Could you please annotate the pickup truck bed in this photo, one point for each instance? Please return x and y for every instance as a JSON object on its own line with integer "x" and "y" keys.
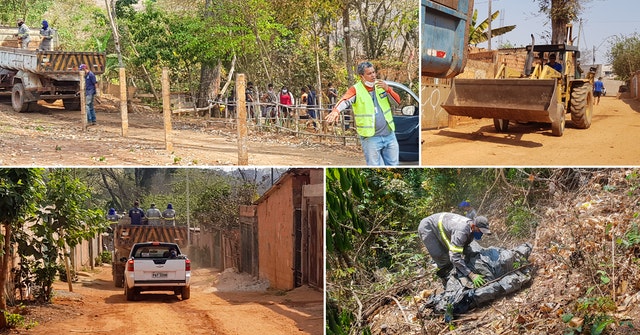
{"x": 157, "y": 266}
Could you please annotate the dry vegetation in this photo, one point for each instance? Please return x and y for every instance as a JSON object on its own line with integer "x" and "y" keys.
{"x": 586, "y": 267}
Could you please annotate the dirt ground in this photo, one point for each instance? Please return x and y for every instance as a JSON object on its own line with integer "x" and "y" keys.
{"x": 96, "y": 306}
{"x": 610, "y": 141}
{"x": 52, "y": 136}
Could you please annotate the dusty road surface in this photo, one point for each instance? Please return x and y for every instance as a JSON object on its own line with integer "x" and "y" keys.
{"x": 52, "y": 136}
{"x": 612, "y": 140}
{"x": 97, "y": 307}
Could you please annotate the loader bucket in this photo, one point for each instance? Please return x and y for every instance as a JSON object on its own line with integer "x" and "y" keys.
{"x": 524, "y": 100}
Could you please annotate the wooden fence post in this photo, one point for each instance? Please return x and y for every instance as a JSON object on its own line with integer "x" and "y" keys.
{"x": 83, "y": 101}
{"x": 124, "y": 112}
{"x": 166, "y": 109}
{"x": 241, "y": 105}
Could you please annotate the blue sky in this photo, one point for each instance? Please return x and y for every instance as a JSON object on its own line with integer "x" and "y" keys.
{"x": 600, "y": 20}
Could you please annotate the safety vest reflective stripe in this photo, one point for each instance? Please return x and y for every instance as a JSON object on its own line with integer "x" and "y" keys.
{"x": 445, "y": 239}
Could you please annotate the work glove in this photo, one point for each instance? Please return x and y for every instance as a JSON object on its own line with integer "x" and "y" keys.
{"x": 477, "y": 279}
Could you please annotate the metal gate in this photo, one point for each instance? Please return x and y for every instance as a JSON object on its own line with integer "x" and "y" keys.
{"x": 312, "y": 256}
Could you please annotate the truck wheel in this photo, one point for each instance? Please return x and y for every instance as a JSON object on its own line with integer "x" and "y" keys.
{"x": 186, "y": 292}
{"x": 17, "y": 99}
{"x": 501, "y": 125}
{"x": 130, "y": 293}
{"x": 71, "y": 104}
{"x": 557, "y": 126}
{"x": 581, "y": 106}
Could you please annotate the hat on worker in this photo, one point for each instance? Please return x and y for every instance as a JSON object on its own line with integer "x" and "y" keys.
{"x": 482, "y": 223}
{"x": 169, "y": 206}
{"x": 82, "y": 66}
{"x": 465, "y": 203}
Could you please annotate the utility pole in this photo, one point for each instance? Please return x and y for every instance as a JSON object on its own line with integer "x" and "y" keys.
{"x": 489, "y": 29}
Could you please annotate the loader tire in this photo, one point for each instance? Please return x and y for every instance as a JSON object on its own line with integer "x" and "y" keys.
{"x": 501, "y": 125}
{"x": 557, "y": 126}
{"x": 581, "y": 105}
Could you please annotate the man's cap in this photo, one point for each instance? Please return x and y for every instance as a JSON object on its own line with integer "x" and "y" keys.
{"x": 465, "y": 203}
{"x": 482, "y": 223}
{"x": 169, "y": 206}
{"x": 82, "y": 66}
{"x": 153, "y": 204}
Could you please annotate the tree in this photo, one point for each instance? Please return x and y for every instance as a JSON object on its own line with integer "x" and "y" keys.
{"x": 478, "y": 33}
{"x": 67, "y": 216}
{"x": 624, "y": 56}
{"x": 561, "y": 12}
{"x": 20, "y": 192}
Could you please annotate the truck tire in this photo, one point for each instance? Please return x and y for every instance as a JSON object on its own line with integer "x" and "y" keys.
{"x": 186, "y": 292}
{"x": 71, "y": 104}
{"x": 581, "y": 105}
{"x": 130, "y": 293}
{"x": 17, "y": 99}
{"x": 501, "y": 125}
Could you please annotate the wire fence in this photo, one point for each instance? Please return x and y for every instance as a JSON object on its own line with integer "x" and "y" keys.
{"x": 299, "y": 120}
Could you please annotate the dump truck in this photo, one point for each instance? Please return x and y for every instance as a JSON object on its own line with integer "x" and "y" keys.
{"x": 537, "y": 94}
{"x": 31, "y": 75}
{"x": 125, "y": 235}
{"x": 445, "y": 37}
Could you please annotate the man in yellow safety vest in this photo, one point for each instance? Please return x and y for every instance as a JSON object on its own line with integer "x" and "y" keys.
{"x": 445, "y": 235}
{"x": 369, "y": 99}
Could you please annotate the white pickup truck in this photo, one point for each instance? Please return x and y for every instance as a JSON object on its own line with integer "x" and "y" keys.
{"x": 157, "y": 266}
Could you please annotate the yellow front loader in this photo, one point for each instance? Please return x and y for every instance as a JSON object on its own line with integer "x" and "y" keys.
{"x": 539, "y": 94}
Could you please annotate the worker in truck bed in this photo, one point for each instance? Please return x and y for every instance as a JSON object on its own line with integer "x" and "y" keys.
{"x": 23, "y": 34}
{"x": 46, "y": 33}
{"x": 136, "y": 213}
{"x": 153, "y": 215}
{"x": 169, "y": 215}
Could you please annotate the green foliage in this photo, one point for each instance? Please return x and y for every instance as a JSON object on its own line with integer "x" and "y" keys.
{"x": 479, "y": 32}
{"x": 521, "y": 219}
{"x": 18, "y": 320}
{"x": 624, "y": 56}
{"x": 631, "y": 237}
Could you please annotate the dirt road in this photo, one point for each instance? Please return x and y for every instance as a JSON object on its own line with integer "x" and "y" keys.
{"x": 97, "y": 307}
{"x": 52, "y": 136}
{"x": 612, "y": 140}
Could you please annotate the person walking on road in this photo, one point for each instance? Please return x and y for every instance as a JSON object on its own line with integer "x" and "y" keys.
{"x": 445, "y": 235}
{"x": 598, "y": 88}
{"x": 369, "y": 99}
{"x": 90, "y": 93}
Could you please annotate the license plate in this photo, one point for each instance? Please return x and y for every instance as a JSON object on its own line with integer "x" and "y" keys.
{"x": 159, "y": 275}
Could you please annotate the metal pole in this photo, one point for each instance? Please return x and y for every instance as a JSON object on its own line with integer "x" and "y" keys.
{"x": 489, "y": 29}
{"x": 188, "y": 214}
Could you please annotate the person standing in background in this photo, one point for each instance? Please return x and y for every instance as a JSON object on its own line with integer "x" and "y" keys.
{"x": 46, "y": 33}
{"x": 23, "y": 34}
{"x": 90, "y": 93}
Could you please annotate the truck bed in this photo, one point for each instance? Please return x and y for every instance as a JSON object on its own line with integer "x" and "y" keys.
{"x": 50, "y": 63}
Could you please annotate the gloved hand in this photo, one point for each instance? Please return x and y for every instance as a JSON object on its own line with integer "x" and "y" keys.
{"x": 476, "y": 279}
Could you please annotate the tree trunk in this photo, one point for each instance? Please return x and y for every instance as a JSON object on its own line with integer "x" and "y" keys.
{"x": 4, "y": 270}
{"x": 208, "y": 89}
